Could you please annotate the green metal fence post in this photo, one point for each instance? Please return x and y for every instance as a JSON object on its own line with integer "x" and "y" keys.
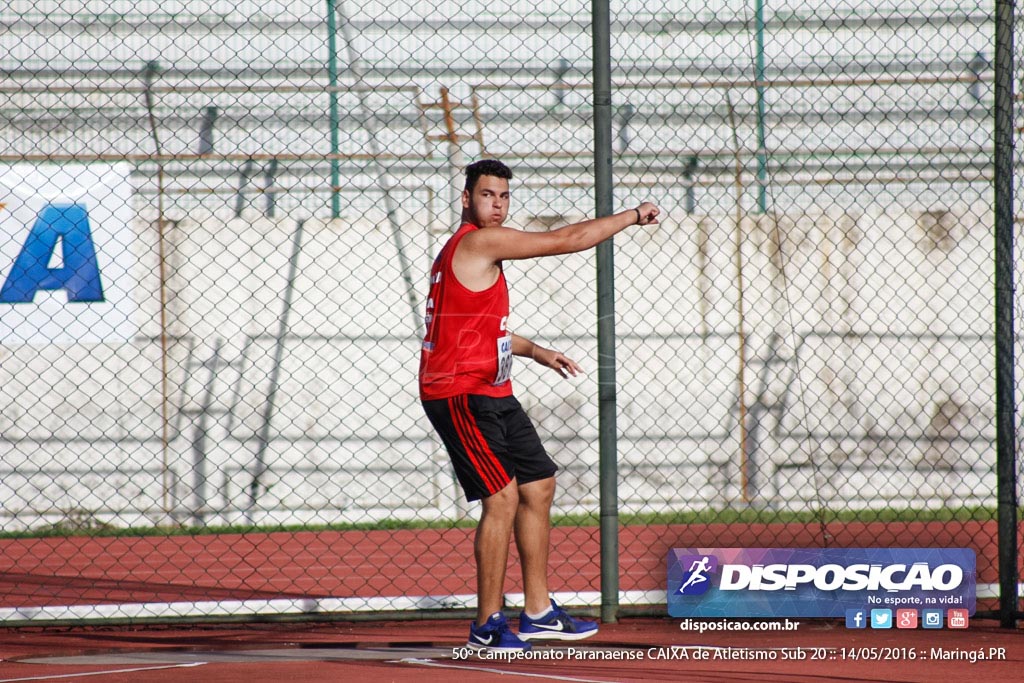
{"x": 762, "y": 153}
{"x": 605, "y": 316}
{"x": 332, "y": 79}
{"x": 1006, "y": 457}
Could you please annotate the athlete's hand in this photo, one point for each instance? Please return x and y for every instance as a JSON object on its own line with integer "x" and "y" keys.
{"x": 558, "y": 362}
{"x": 648, "y": 214}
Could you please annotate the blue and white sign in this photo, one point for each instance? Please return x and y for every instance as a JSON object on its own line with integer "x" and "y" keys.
{"x": 818, "y": 582}
{"x": 66, "y": 258}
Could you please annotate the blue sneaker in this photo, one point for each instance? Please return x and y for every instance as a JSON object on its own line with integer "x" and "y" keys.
{"x": 556, "y": 625}
{"x": 495, "y": 634}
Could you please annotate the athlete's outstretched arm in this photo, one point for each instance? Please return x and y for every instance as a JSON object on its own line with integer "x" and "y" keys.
{"x": 521, "y": 346}
{"x": 498, "y": 244}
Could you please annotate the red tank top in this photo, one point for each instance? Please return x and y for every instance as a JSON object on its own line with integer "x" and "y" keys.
{"x": 467, "y": 349}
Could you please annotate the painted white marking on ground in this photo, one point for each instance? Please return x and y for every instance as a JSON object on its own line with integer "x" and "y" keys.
{"x": 241, "y": 655}
{"x": 287, "y": 606}
{"x": 500, "y": 672}
{"x": 101, "y": 673}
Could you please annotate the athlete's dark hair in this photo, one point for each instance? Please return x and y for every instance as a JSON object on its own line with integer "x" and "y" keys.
{"x": 491, "y": 167}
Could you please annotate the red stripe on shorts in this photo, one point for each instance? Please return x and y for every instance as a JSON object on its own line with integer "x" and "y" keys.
{"x": 480, "y": 453}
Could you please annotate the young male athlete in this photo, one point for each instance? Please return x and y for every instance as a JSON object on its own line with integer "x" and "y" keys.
{"x": 466, "y": 390}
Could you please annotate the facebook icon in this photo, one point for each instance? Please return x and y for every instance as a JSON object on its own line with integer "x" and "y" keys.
{"x": 856, "y": 618}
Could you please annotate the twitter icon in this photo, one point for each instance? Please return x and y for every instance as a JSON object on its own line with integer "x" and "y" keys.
{"x": 881, "y": 618}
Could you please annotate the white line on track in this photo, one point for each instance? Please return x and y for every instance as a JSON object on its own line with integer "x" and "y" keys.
{"x": 101, "y": 673}
{"x": 502, "y": 672}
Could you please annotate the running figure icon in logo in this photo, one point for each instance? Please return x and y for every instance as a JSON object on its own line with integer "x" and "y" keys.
{"x": 697, "y": 580}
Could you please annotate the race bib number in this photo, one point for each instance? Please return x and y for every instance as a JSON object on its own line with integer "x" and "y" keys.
{"x": 504, "y": 360}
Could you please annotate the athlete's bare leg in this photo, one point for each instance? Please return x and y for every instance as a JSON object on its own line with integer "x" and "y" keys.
{"x": 533, "y": 534}
{"x": 491, "y": 549}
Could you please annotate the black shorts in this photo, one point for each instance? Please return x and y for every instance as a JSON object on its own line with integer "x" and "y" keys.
{"x": 490, "y": 441}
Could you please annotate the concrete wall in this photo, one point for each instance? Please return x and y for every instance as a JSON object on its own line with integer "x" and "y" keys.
{"x": 868, "y": 374}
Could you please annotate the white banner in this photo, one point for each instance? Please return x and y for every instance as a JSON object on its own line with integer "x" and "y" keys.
{"x": 66, "y": 258}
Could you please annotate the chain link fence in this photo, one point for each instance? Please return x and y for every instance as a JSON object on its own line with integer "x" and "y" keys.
{"x": 218, "y": 223}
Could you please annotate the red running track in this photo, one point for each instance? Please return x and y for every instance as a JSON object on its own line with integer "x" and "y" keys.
{"x": 103, "y": 570}
{"x": 344, "y": 651}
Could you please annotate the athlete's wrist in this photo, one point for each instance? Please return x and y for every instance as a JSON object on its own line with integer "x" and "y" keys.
{"x": 637, "y": 209}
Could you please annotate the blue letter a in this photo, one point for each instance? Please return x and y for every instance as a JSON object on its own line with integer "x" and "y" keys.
{"x": 80, "y": 275}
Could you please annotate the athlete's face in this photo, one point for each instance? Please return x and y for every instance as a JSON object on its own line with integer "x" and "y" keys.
{"x": 488, "y": 203}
